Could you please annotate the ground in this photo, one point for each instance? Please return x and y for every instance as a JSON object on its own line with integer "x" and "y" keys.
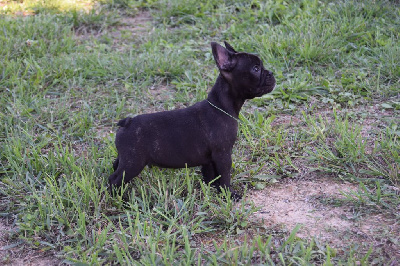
{"x": 283, "y": 205}
{"x": 15, "y": 252}
{"x": 332, "y": 196}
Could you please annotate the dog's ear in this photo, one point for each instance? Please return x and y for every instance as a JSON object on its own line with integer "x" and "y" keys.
{"x": 225, "y": 59}
{"x": 229, "y": 47}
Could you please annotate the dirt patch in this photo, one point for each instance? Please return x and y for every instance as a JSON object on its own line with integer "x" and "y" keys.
{"x": 299, "y": 202}
{"x": 286, "y": 120}
{"x": 15, "y": 252}
{"x": 137, "y": 25}
{"x": 129, "y": 31}
{"x": 160, "y": 93}
{"x": 103, "y": 132}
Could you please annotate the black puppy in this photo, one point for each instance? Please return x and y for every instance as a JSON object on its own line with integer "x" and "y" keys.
{"x": 200, "y": 135}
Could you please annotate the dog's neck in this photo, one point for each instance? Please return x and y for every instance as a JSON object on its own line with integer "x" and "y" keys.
{"x": 223, "y": 96}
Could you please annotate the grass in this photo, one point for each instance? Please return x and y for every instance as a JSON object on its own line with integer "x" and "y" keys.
{"x": 66, "y": 76}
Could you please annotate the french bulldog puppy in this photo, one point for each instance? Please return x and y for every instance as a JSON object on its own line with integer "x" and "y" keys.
{"x": 200, "y": 135}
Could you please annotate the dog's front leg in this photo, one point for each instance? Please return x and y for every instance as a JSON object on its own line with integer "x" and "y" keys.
{"x": 223, "y": 163}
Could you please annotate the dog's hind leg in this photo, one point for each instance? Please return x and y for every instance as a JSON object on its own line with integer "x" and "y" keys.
{"x": 126, "y": 171}
{"x": 209, "y": 174}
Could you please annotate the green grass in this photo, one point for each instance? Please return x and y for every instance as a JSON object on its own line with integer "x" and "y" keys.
{"x": 66, "y": 78}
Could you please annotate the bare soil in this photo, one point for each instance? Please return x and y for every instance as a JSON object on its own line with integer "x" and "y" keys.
{"x": 15, "y": 252}
{"x": 319, "y": 206}
{"x": 296, "y": 202}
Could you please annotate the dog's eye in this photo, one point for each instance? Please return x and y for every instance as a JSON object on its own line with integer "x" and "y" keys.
{"x": 256, "y": 68}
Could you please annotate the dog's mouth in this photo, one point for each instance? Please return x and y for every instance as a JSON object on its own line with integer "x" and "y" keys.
{"x": 268, "y": 83}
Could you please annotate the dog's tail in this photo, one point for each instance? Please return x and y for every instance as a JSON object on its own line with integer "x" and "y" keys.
{"x": 123, "y": 122}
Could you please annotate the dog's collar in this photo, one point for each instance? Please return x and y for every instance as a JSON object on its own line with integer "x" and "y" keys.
{"x": 216, "y": 107}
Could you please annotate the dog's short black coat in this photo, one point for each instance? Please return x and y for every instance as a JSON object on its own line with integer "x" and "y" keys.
{"x": 200, "y": 135}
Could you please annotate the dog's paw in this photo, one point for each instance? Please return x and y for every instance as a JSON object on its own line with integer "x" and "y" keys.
{"x": 236, "y": 196}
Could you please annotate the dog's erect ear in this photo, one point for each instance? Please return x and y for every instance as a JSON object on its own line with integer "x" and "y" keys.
{"x": 225, "y": 59}
{"x": 229, "y": 47}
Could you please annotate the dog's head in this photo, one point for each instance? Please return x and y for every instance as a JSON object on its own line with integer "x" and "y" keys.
{"x": 244, "y": 72}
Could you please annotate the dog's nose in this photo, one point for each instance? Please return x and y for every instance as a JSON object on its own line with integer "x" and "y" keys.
{"x": 270, "y": 73}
